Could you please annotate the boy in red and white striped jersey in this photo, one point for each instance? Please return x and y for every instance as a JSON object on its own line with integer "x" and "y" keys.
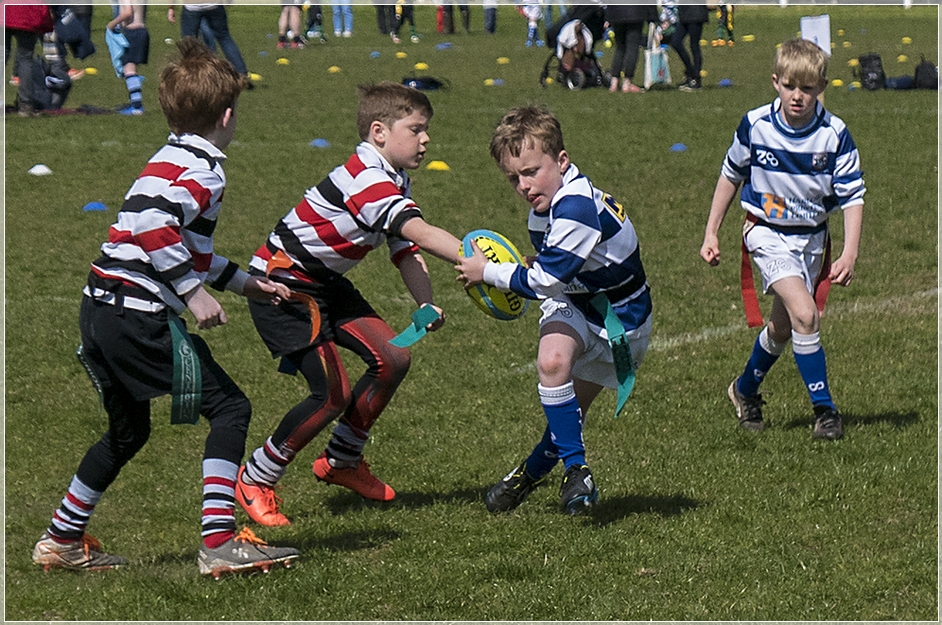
{"x": 359, "y": 206}
{"x": 153, "y": 266}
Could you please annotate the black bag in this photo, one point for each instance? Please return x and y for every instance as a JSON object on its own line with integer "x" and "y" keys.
{"x": 870, "y": 70}
{"x": 51, "y": 84}
{"x": 927, "y": 75}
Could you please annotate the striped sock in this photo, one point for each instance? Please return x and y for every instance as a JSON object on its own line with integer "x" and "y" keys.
{"x": 71, "y": 518}
{"x": 219, "y": 478}
{"x": 565, "y": 422}
{"x": 346, "y": 445}
{"x": 133, "y": 83}
{"x": 266, "y": 465}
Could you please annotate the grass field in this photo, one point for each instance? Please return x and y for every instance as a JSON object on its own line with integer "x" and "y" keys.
{"x": 698, "y": 520}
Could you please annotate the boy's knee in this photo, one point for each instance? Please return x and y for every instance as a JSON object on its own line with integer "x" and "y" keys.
{"x": 551, "y": 365}
{"x": 394, "y": 364}
{"x": 805, "y": 320}
{"x": 234, "y": 412}
{"x": 126, "y": 442}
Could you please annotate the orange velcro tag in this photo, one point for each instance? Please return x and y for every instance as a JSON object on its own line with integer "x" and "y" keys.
{"x": 279, "y": 261}
{"x": 313, "y": 309}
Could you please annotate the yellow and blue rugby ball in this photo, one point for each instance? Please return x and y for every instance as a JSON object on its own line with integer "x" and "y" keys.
{"x": 503, "y": 305}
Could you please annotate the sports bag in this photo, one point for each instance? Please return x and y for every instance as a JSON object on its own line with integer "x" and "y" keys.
{"x": 870, "y": 70}
{"x": 927, "y": 75}
{"x": 656, "y": 69}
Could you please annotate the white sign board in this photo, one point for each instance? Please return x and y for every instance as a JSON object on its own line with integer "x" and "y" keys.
{"x": 818, "y": 30}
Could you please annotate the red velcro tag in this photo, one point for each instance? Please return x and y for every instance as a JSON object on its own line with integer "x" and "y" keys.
{"x": 747, "y": 285}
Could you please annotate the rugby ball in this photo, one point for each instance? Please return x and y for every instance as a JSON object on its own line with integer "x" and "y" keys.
{"x": 503, "y": 305}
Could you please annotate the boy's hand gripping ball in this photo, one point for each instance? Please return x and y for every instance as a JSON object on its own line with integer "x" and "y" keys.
{"x": 503, "y": 305}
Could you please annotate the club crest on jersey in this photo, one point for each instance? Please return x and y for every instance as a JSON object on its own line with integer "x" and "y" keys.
{"x": 819, "y": 162}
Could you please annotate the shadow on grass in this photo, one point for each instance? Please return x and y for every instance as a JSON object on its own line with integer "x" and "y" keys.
{"x": 356, "y": 540}
{"x": 349, "y": 501}
{"x": 612, "y": 509}
{"x": 898, "y": 420}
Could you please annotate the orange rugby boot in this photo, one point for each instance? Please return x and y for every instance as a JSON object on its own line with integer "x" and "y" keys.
{"x": 358, "y": 479}
{"x": 260, "y": 502}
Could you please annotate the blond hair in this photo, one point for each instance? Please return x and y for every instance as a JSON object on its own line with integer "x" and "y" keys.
{"x": 196, "y": 90}
{"x": 521, "y": 127}
{"x": 801, "y": 60}
{"x": 388, "y": 102}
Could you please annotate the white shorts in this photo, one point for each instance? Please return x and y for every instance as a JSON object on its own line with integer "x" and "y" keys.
{"x": 779, "y": 255}
{"x": 596, "y": 363}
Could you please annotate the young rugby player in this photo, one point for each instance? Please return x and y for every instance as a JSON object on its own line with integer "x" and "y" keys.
{"x": 588, "y": 273}
{"x": 798, "y": 165}
{"x": 158, "y": 256}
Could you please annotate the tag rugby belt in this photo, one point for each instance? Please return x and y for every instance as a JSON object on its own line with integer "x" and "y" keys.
{"x": 750, "y": 300}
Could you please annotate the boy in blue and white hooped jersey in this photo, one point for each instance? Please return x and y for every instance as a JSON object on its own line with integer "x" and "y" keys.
{"x": 588, "y": 273}
{"x": 797, "y": 164}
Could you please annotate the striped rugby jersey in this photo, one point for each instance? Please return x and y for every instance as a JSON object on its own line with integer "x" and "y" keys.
{"x": 355, "y": 209}
{"x": 794, "y": 177}
{"x": 585, "y": 244}
{"x": 162, "y": 240}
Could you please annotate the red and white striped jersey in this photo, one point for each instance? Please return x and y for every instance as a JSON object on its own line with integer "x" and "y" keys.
{"x": 355, "y": 209}
{"x": 162, "y": 241}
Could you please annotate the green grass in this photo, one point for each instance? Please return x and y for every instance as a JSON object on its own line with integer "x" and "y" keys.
{"x": 697, "y": 520}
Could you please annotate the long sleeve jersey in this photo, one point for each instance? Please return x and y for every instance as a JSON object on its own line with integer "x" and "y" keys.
{"x": 355, "y": 209}
{"x": 794, "y": 177}
{"x": 162, "y": 241}
{"x": 585, "y": 244}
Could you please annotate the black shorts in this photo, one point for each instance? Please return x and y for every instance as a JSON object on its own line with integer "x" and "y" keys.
{"x": 134, "y": 350}
{"x": 138, "y": 46}
{"x": 286, "y": 328}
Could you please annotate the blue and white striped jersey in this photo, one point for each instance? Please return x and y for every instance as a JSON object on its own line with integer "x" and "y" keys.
{"x": 585, "y": 244}
{"x": 794, "y": 177}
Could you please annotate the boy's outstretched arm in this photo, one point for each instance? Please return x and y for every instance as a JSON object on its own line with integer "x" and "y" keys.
{"x": 437, "y": 242}
{"x": 414, "y": 274}
{"x": 842, "y": 269}
{"x": 207, "y": 311}
{"x": 265, "y": 289}
{"x": 722, "y": 198}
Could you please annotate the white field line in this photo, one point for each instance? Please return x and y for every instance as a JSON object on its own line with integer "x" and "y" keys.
{"x": 660, "y": 344}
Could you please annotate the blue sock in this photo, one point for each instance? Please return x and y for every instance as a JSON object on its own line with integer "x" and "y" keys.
{"x": 565, "y": 422}
{"x": 543, "y": 457}
{"x": 531, "y": 33}
{"x": 809, "y": 356}
{"x": 765, "y": 352}
{"x": 133, "y": 83}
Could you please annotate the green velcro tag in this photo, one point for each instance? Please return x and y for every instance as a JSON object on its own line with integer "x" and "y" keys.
{"x": 420, "y": 319}
{"x": 187, "y": 378}
{"x": 621, "y": 349}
